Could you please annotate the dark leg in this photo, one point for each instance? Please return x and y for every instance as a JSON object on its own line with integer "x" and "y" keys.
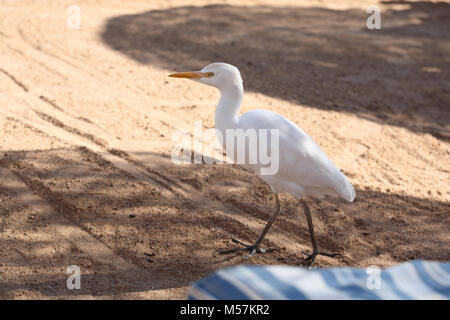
{"x": 316, "y": 251}
{"x": 254, "y": 248}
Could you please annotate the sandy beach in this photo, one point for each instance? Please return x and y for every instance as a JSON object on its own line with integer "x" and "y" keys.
{"x": 87, "y": 117}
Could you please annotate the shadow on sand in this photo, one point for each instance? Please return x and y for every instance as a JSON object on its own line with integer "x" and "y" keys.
{"x": 327, "y": 59}
{"x": 134, "y": 219}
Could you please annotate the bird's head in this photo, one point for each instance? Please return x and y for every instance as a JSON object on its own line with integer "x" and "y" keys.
{"x": 220, "y": 75}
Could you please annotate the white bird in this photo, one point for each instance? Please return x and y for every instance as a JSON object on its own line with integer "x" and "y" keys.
{"x": 304, "y": 169}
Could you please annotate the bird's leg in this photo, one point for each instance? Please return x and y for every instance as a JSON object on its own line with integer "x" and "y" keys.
{"x": 316, "y": 251}
{"x": 254, "y": 248}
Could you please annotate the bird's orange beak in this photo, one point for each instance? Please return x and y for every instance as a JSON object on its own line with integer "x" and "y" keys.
{"x": 190, "y": 75}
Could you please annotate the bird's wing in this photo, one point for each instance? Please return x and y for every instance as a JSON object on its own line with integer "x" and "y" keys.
{"x": 301, "y": 160}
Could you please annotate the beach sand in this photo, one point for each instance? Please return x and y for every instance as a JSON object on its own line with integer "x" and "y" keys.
{"x": 87, "y": 117}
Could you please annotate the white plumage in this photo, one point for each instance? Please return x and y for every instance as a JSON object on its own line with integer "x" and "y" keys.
{"x": 304, "y": 169}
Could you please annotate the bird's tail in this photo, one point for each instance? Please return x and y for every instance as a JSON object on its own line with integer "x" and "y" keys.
{"x": 343, "y": 187}
{"x": 347, "y": 192}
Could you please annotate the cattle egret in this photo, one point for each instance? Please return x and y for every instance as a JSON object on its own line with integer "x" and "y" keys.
{"x": 304, "y": 169}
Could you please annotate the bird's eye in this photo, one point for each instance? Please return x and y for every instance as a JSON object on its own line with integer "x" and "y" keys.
{"x": 210, "y": 74}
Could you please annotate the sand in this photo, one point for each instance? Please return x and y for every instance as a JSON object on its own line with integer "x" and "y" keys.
{"x": 87, "y": 117}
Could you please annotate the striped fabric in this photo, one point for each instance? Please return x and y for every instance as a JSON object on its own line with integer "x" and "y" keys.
{"x": 411, "y": 280}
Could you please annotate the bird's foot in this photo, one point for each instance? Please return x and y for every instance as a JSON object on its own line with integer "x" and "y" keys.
{"x": 312, "y": 257}
{"x": 254, "y": 248}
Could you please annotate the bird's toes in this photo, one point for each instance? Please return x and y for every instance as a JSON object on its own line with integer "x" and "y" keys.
{"x": 330, "y": 254}
{"x": 310, "y": 259}
{"x": 240, "y": 242}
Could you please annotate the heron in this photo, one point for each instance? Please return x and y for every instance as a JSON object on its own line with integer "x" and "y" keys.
{"x": 304, "y": 169}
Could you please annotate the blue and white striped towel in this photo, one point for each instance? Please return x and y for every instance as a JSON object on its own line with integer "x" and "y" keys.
{"x": 411, "y": 280}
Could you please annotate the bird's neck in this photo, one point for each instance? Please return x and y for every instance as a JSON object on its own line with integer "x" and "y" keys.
{"x": 227, "y": 111}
